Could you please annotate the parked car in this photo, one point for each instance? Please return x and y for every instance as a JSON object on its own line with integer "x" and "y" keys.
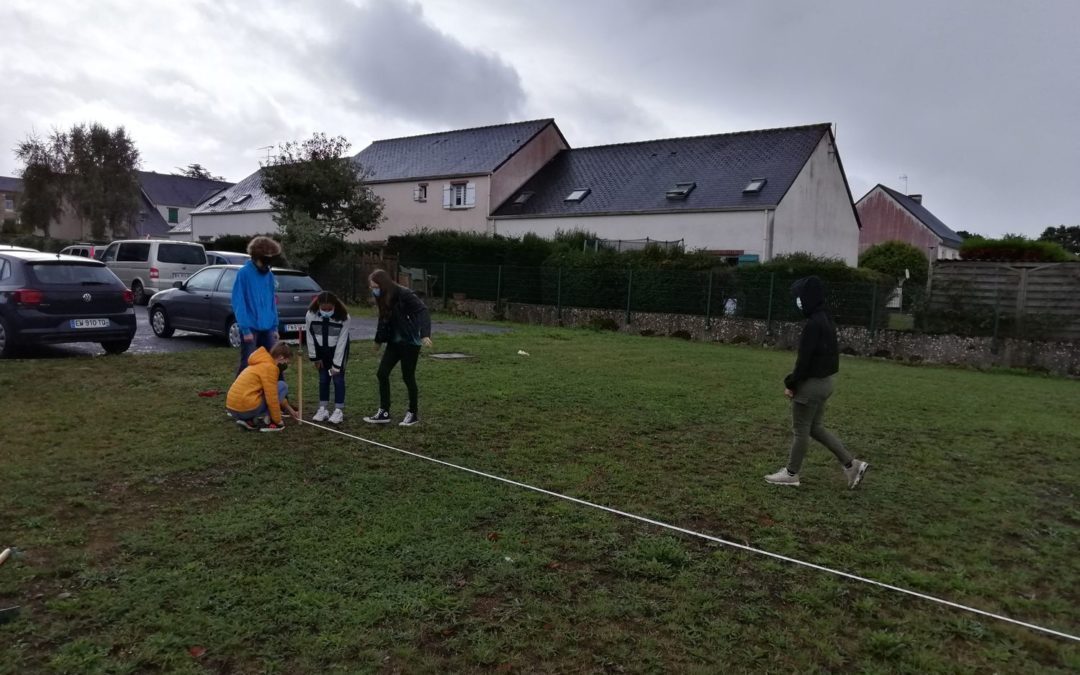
{"x": 47, "y": 298}
{"x": 203, "y": 303}
{"x": 149, "y": 266}
{"x": 84, "y": 251}
{"x": 12, "y": 247}
{"x": 226, "y": 258}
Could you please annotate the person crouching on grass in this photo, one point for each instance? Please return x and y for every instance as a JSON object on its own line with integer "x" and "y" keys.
{"x": 259, "y": 394}
{"x": 327, "y": 331}
{"x": 810, "y": 385}
{"x": 404, "y": 325}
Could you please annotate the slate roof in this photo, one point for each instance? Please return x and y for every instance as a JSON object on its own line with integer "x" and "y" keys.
{"x": 635, "y": 177}
{"x": 167, "y": 190}
{"x": 923, "y": 215}
{"x": 9, "y": 184}
{"x": 252, "y": 185}
{"x": 149, "y": 221}
{"x": 463, "y": 152}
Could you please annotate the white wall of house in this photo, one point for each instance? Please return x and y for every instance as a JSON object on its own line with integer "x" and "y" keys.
{"x": 717, "y": 230}
{"x": 816, "y": 214}
{"x": 524, "y": 165}
{"x": 214, "y": 225}
{"x": 403, "y": 213}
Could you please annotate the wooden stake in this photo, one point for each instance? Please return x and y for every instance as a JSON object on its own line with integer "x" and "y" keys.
{"x": 300, "y": 374}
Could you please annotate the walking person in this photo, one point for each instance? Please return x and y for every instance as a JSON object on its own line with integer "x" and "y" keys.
{"x": 327, "y": 331}
{"x": 404, "y": 326}
{"x": 254, "y": 299}
{"x": 811, "y": 384}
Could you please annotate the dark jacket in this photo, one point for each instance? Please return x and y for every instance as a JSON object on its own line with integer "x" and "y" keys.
{"x": 819, "y": 351}
{"x": 408, "y": 319}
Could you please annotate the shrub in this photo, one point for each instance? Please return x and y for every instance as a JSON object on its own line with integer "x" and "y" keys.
{"x": 1013, "y": 247}
{"x": 893, "y": 257}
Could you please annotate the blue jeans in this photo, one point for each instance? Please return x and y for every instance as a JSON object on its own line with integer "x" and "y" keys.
{"x": 263, "y": 338}
{"x": 324, "y": 387}
{"x": 262, "y": 410}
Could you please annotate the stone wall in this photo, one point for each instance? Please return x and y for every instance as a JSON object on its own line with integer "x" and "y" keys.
{"x": 1061, "y": 358}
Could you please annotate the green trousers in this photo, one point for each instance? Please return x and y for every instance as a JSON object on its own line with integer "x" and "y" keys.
{"x": 807, "y": 417}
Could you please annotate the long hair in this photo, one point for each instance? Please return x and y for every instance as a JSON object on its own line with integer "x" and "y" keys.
{"x": 328, "y": 298}
{"x": 389, "y": 290}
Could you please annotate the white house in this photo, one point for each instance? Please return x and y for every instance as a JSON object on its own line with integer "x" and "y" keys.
{"x": 241, "y": 209}
{"x": 754, "y": 194}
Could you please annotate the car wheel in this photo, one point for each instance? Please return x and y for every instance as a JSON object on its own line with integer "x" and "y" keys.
{"x": 232, "y": 333}
{"x": 140, "y": 293}
{"x": 7, "y": 340}
{"x": 116, "y": 346}
{"x": 159, "y": 322}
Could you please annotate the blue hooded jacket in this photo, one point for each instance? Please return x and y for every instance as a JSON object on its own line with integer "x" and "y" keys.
{"x": 253, "y": 300}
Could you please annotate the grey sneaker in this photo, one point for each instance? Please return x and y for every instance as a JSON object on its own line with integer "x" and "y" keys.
{"x": 782, "y": 477}
{"x": 322, "y": 415}
{"x": 338, "y": 416}
{"x": 410, "y": 420}
{"x": 856, "y": 472}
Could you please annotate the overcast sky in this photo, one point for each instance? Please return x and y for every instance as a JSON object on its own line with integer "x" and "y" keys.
{"x": 977, "y": 102}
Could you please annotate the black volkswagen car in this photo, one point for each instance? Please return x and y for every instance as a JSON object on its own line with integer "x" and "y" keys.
{"x": 203, "y": 303}
{"x": 47, "y": 298}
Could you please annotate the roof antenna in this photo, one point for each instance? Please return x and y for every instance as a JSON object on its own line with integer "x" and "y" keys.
{"x": 267, "y": 148}
{"x": 903, "y": 177}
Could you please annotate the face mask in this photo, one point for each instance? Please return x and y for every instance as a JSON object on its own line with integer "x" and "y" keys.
{"x": 376, "y": 292}
{"x": 326, "y": 314}
{"x": 798, "y": 303}
{"x": 264, "y": 268}
{"x": 282, "y": 367}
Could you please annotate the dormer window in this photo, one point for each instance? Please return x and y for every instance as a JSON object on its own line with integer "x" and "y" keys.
{"x": 754, "y": 186}
{"x": 578, "y": 195}
{"x": 241, "y": 199}
{"x": 681, "y": 190}
{"x": 216, "y": 200}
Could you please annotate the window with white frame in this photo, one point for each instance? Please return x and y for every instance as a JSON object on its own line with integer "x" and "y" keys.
{"x": 9, "y": 204}
{"x": 459, "y": 195}
{"x": 420, "y": 193}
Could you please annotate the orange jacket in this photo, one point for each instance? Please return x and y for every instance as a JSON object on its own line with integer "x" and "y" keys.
{"x": 258, "y": 381}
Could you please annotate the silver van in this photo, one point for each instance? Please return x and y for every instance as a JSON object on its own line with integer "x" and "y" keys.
{"x": 148, "y": 266}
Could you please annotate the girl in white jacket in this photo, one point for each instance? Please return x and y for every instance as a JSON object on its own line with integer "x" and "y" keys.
{"x": 327, "y": 328}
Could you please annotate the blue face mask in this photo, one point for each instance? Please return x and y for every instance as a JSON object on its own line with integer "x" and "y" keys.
{"x": 326, "y": 314}
{"x": 376, "y": 292}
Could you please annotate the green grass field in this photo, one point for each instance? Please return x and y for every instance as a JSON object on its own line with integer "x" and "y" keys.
{"x": 149, "y": 526}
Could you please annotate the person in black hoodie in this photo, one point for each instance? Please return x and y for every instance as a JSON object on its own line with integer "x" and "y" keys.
{"x": 810, "y": 385}
{"x": 404, "y": 326}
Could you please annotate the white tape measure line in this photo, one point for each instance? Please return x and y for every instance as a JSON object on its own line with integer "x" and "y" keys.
{"x": 707, "y": 537}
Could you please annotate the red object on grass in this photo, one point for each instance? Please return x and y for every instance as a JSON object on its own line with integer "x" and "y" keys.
{"x": 209, "y": 393}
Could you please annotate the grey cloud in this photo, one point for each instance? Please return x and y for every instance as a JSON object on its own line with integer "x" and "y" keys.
{"x": 398, "y": 63}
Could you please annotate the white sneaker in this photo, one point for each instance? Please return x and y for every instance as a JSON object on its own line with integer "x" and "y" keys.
{"x": 411, "y": 419}
{"x": 855, "y": 473}
{"x": 782, "y": 477}
{"x": 322, "y": 415}
{"x": 338, "y": 417}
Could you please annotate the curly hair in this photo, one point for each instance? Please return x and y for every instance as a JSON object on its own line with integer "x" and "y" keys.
{"x": 263, "y": 247}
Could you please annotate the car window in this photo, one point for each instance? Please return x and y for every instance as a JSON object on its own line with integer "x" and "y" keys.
{"x": 237, "y": 259}
{"x": 227, "y": 281}
{"x": 110, "y": 253}
{"x": 181, "y": 254}
{"x": 72, "y": 273}
{"x": 204, "y": 281}
{"x": 295, "y": 283}
{"x": 134, "y": 253}
{"x": 5, "y": 270}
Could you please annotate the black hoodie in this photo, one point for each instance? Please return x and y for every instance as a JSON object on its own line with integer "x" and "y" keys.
{"x": 819, "y": 352}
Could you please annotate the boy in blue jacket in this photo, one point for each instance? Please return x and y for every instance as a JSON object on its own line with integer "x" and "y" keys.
{"x": 254, "y": 299}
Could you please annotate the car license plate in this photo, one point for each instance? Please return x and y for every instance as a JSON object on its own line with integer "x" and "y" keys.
{"x": 180, "y": 275}
{"x": 89, "y": 323}
{"x": 294, "y": 327}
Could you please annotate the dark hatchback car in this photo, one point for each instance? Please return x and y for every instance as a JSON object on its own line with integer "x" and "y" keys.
{"x": 47, "y": 298}
{"x": 203, "y": 303}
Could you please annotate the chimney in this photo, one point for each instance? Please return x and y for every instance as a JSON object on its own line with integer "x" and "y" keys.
{"x": 916, "y": 198}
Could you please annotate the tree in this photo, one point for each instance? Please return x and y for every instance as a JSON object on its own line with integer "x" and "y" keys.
{"x": 92, "y": 167}
{"x": 197, "y": 171}
{"x": 316, "y": 182}
{"x": 893, "y": 257}
{"x": 964, "y": 234}
{"x": 1067, "y": 237}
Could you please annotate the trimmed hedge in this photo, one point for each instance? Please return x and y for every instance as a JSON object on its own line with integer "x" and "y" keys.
{"x": 1014, "y": 248}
